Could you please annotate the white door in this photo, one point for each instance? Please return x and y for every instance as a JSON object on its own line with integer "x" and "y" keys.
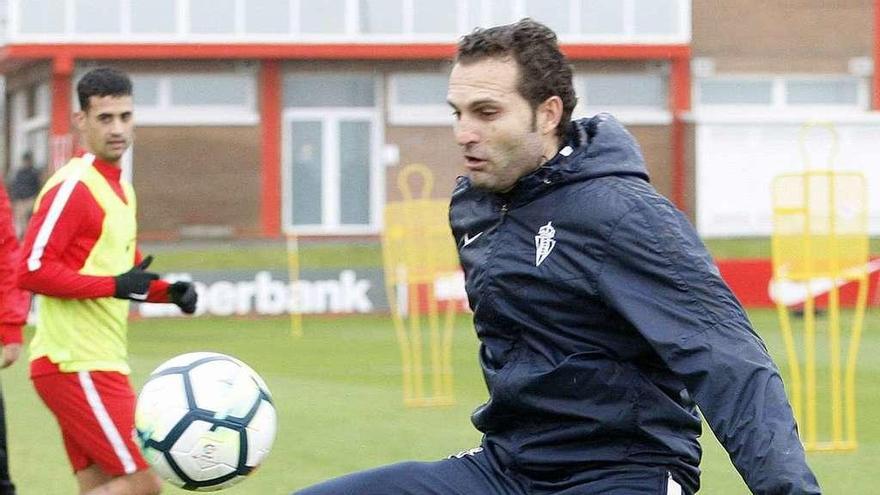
{"x": 332, "y": 176}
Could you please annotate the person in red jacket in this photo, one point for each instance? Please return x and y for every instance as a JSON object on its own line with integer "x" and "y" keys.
{"x": 14, "y": 304}
{"x": 80, "y": 256}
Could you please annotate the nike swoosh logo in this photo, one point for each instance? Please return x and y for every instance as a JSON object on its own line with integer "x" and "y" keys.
{"x": 467, "y": 239}
{"x": 138, "y": 297}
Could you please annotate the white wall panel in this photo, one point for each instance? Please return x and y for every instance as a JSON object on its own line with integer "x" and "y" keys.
{"x": 736, "y": 164}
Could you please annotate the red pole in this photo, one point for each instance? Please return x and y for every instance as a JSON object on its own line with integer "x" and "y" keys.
{"x": 680, "y": 102}
{"x": 62, "y": 68}
{"x": 61, "y": 142}
{"x": 270, "y": 142}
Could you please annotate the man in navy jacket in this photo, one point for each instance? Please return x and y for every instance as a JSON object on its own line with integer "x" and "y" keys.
{"x": 603, "y": 321}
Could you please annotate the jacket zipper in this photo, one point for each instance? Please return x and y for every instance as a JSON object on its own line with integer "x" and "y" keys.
{"x": 490, "y": 248}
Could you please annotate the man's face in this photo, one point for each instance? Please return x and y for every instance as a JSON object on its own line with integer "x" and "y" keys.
{"x": 494, "y": 124}
{"x": 107, "y": 126}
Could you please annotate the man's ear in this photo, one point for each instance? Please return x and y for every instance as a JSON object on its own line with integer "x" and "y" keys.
{"x": 549, "y": 115}
{"x": 79, "y": 120}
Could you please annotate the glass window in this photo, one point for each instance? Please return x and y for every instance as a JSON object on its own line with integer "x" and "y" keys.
{"x": 37, "y": 141}
{"x": 553, "y": 13}
{"x": 354, "y": 173}
{"x": 153, "y": 16}
{"x": 434, "y": 17}
{"x": 209, "y": 89}
{"x": 42, "y": 16}
{"x": 4, "y": 19}
{"x": 42, "y": 100}
{"x": 30, "y": 102}
{"x": 501, "y": 12}
{"x": 419, "y": 98}
{"x": 420, "y": 89}
{"x": 328, "y": 90}
{"x": 211, "y": 16}
{"x": 381, "y": 16}
{"x": 267, "y": 16}
{"x": 97, "y": 16}
{"x": 325, "y": 16}
{"x": 602, "y": 16}
{"x": 200, "y": 99}
{"x": 822, "y": 92}
{"x": 736, "y": 92}
{"x": 306, "y": 181}
{"x": 145, "y": 89}
{"x": 656, "y": 16}
{"x": 625, "y": 90}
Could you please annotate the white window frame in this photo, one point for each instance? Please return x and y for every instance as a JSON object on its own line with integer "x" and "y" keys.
{"x": 124, "y": 20}
{"x": 181, "y": 33}
{"x": 166, "y": 114}
{"x": 439, "y": 114}
{"x": 863, "y": 98}
{"x": 573, "y": 34}
{"x": 22, "y": 125}
{"x": 736, "y": 107}
{"x": 626, "y": 114}
{"x": 330, "y": 118}
{"x": 778, "y": 109}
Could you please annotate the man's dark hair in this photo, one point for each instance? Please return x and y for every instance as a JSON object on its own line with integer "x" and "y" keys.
{"x": 103, "y": 81}
{"x": 543, "y": 69}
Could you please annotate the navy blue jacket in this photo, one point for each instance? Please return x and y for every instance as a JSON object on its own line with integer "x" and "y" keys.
{"x": 604, "y": 322}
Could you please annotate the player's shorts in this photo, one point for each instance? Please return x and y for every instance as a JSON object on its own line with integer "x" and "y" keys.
{"x": 95, "y": 411}
{"x": 478, "y": 471}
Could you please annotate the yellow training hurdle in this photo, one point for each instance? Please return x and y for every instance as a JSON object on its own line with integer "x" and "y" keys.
{"x": 820, "y": 243}
{"x": 418, "y": 251}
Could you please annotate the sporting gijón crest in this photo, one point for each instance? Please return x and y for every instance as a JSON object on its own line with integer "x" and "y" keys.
{"x": 544, "y": 243}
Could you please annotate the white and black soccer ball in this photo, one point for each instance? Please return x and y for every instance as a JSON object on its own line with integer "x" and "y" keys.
{"x": 205, "y": 421}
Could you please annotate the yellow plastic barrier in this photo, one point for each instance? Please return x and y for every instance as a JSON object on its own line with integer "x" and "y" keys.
{"x": 418, "y": 250}
{"x": 820, "y": 242}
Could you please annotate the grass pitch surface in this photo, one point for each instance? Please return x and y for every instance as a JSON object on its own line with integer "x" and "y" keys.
{"x": 338, "y": 394}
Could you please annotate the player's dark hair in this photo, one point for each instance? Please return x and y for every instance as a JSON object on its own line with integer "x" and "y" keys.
{"x": 543, "y": 69}
{"x": 103, "y": 81}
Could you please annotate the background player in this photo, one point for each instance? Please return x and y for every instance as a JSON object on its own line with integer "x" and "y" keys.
{"x": 80, "y": 255}
{"x": 14, "y": 304}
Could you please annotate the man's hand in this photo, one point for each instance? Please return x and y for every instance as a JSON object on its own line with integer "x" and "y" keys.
{"x": 135, "y": 283}
{"x": 184, "y": 295}
{"x": 10, "y": 353}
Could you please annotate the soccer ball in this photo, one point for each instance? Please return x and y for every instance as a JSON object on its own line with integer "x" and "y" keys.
{"x": 205, "y": 421}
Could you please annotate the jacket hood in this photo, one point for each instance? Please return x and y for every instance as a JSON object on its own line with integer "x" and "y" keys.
{"x": 598, "y": 146}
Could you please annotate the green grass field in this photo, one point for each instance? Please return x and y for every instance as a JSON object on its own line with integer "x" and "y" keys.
{"x": 338, "y": 393}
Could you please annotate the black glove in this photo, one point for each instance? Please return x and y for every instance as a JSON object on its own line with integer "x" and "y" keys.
{"x": 184, "y": 295}
{"x": 135, "y": 283}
